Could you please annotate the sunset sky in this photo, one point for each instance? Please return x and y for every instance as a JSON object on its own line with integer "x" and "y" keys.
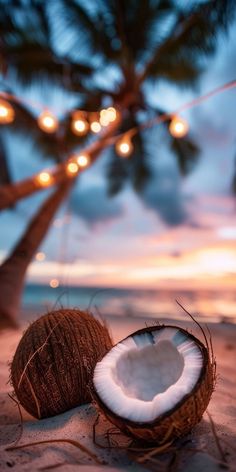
{"x": 124, "y": 241}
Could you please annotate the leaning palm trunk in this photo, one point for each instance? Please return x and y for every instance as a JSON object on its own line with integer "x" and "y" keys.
{"x": 13, "y": 192}
{"x": 12, "y": 271}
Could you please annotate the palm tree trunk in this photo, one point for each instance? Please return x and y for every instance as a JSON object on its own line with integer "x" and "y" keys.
{"x": 13, "y": 192}
{"x": 12, "y": 271}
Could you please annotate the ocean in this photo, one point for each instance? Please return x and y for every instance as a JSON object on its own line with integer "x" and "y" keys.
{"x": 208, "y": 305}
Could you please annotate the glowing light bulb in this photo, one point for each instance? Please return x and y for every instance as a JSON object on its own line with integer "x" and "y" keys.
{"x": 111, "y": 114}
{"x": 107, "y": 115}
{"x": 40, "y": 256}
{"x": 83, "y": 160}
{"x": 44, "y": 179}
{"x": 72, "y": 168}
{"x": 47, "y": 122}
{"x": 79, "y": 125}
{"x": 54, "y": 283}
{"x": 124, "y": 147}
{"x": 7, "y": 113}
{"x": 104, "y": 121}
{"x": 104, "y": 117}
{"x": 178, "y": 127}
{"x": 95, "y": 127}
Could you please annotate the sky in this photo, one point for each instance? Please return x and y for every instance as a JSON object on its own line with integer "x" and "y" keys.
{"x": 124, "y": 241}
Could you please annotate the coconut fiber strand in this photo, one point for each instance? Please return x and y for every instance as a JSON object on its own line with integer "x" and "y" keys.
{"x": 54, "y": 361}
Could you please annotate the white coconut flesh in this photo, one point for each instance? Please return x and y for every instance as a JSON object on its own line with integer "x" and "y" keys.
{"x": 149, "y": 373}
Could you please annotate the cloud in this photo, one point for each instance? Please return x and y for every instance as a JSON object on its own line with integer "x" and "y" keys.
{"x": 163, "y": 195}
{"x": 93, "y": 205}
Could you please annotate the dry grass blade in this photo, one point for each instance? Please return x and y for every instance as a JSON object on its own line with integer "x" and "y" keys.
{"x": 196, "y": 322}
{"x": 34, "y": 396}
{"x": 213, "y": 360}
{"x": 155, "y": 451}
{"x": 110, "y": 432}
{"x": 95, "y": 442}
{"x": 35, "y": 352}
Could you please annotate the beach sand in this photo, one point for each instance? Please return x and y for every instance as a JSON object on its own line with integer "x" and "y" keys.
{"x": 197, "y": 452}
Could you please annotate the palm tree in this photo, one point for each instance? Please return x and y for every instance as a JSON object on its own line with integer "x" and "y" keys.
{"x": 113, "y": 51}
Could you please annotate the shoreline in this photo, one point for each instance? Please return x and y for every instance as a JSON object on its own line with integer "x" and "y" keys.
{"x": 208, "y": 305}
{"x": 31, "y": 312}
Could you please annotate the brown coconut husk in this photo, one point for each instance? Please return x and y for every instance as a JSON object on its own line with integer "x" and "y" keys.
{"x": 54, "y": 362}
{"x": 184, "y": 416}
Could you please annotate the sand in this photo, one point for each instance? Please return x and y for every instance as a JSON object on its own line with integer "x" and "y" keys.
{"x": 197, "y": 452}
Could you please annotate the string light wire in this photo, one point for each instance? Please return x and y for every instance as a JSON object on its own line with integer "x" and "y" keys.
{"x": 132, "y": 131}
{"x": 148, "y": 124}
{"x": 169, "y": 115}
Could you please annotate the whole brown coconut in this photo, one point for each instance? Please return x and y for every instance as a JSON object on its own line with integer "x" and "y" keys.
{"x": 54, "y": 362}
{"x": 155, "y": 384}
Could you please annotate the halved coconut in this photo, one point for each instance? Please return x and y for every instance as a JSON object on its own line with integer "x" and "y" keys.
{"x": 155, "y": 384}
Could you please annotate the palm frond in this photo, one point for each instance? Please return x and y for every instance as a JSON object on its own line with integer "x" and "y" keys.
{"x": 133, "y": 23}
{"x": 47, "y": 144}
{"x": 75, "y": 17}
{"x": 185, "y": 149}
{"x": 187, "y": 152}
{"x": 135, "y": 169}
{"x": 93, "y": 100}
{"x": 17, "y": 22}
{"x": 139, "y": 169}
{"x": 193, "y": 36}
{"x": 28, "y": 50}
{"x": 117, "y": 174}
{"x": 180, "y": 68}
{"x": 34, "y": 62}
{"x": 59, "y": 145}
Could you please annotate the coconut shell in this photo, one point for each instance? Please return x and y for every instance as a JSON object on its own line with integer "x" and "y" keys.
{"x": 54, "y": 362}
{"x": 183, "y": 417}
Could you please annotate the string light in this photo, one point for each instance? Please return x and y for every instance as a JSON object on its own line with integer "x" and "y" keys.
{"x": 47, "y": 122}
{"x": 178, "y": 127}
{"x": 40, "y": 256}
{"x": 95, "y": 127}
{"x": 72, "y": 168}
{"x": 124, "y": 146}
{"x": 104, "y": 117}
{"x": 54, "y": 283}
{"x": 107, "y": 115}
{"x": 79, "y": 124}
{"x": 83, "y": 160}
{"x": 44, "y": 179}
{"x": 7, "y": 113}
{"x": 111, "y": 114}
